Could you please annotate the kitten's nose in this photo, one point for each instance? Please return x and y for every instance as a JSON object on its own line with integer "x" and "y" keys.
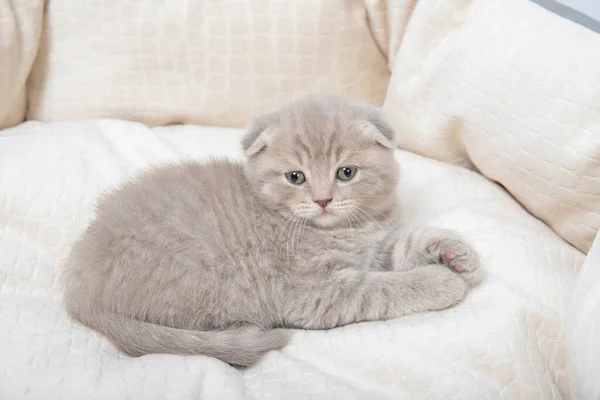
{"x": 322, "y": 203}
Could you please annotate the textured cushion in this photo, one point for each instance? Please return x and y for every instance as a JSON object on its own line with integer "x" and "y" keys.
{"x": 20, "y": 27}
{"x": 504, "y": 341}
{"x": 200, "y": 61}
{"x": 513, "y": 90}
{"x": 388, "y": 20}
{"x": 583, "y": 328}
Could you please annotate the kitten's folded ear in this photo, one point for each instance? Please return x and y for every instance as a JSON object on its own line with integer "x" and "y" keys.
{"x": 377, "y": 125}
{"x": 257, "y": 137}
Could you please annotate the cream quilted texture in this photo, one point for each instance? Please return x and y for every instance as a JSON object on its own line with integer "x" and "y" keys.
{"x": 388, "y": 20}
{"x": 583, "y": 328}
{"x": 200, "y": 61}
{"x": 504, "y": 342}
{"x": 20, "y": 29}
{"x": 513, "y": 90}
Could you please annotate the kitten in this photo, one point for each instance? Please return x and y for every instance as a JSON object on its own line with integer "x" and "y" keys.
{"x": 216, "y": 258}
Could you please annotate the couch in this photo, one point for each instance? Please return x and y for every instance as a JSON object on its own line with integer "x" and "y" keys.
{"x": 497, "y": 110}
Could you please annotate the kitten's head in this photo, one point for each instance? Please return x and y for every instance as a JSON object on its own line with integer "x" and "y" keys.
{"x": 324, "y": 159}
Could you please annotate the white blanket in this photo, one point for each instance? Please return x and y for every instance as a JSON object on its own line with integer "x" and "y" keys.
{"x": 504, "y": 341}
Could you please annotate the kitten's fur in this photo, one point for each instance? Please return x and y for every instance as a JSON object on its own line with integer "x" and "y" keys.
{"x": 214, "y": 258}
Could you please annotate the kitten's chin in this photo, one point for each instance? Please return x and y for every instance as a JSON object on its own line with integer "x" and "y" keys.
{"x": 327, "y": 220}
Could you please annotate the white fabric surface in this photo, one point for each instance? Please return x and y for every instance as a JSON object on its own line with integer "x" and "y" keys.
{"x": 512, "y": 89}
{"x": 583, "y": 328}
{"x": 504, "y": 341}
{"x": 20, "y": 30}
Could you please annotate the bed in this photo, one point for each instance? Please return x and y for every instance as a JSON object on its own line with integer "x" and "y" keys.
{"x": 527, "y": 332}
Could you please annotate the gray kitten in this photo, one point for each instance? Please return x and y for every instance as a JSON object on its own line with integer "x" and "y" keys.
{"x": 215, "y": 258}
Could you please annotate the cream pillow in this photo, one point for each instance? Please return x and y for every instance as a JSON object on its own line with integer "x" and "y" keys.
{"x": 583, "y": 328}
{"x": 202, "y": 62}
{"x": 20, "y": 27}
{"x": 513, "y": 90}
{"x": 388, "y": 20}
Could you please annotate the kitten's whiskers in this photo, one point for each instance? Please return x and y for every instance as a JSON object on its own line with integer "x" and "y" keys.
{"x": 373, "y": 209}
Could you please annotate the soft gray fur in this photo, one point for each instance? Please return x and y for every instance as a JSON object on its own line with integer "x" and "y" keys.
{"x": 215, "y": 258}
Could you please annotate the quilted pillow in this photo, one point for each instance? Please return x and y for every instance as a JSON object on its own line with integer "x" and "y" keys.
{"x": 513, "y": 90}
{"x": 20, "y": 27}
{"x": 199, "y": 61}
{"x": 583, "y": 328}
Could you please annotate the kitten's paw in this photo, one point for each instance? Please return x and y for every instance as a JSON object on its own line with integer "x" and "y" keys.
{"x": 450, "y": 249}
{"x": 439, "y": 287}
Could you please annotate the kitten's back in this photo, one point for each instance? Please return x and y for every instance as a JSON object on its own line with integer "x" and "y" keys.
{"x": 161, "y": 244}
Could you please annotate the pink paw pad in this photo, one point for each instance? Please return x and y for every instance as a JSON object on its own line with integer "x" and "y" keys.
{"x": 449, "y": 256}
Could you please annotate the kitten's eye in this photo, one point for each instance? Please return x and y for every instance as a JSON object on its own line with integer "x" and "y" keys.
{"x": 295, "y": 177}
{"x": 346, "y": 173}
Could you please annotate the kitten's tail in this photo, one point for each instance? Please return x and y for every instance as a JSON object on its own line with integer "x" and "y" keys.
{"x": 240, "y": 347}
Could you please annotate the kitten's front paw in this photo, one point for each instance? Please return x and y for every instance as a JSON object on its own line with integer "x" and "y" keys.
{"x": 449, "y": 248}
{"x": 440, "y": 287}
